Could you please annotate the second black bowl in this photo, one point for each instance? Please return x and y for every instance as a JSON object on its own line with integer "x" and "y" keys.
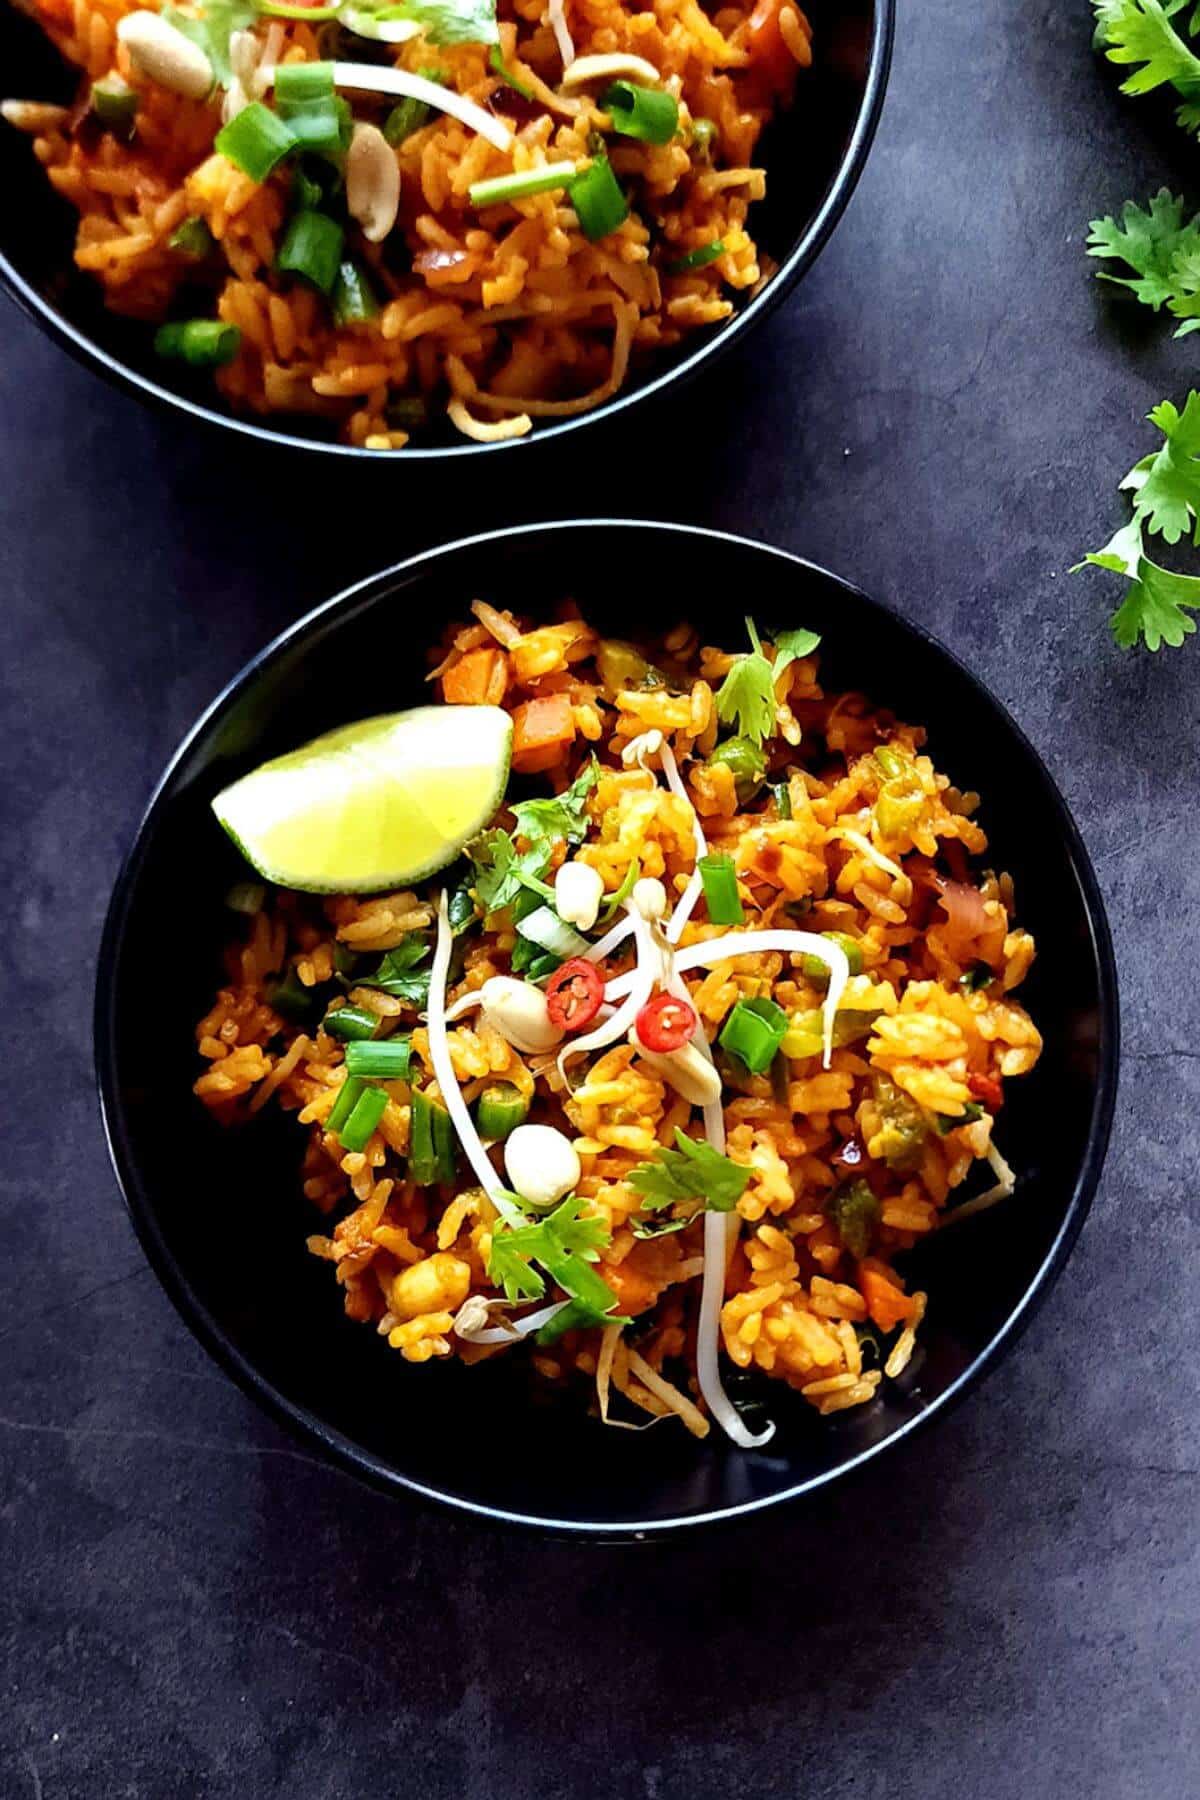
{"x": 221, "y": 1214}
{"x": 813, "y": 153}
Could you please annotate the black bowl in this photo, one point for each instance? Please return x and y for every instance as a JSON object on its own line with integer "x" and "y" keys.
{"x": 814, "y": 155}
{"x": 220, "y": 1212}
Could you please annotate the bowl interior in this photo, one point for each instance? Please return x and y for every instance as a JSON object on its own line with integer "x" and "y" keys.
{"x": 813, "y": 151}
{"x": 221, "y": 1211}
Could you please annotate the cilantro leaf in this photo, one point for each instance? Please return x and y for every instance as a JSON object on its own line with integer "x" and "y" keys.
{"x": 398, "y": 974}
{"x": 1167, "y": 485}
{"x": 454, "y": 21}
{"x": 1155, "y": 610}
{"x": 566, "y": 1245}
{"x": 792, "y": 646}
{"x": 1150, "y": 243}
{"x": 746, "y": 697}
{"x": 501, "y": 871}
{"x": 694, "y": 1171}
{"x": 563, "y": 816}
{"x": 1132, "y": 32}
{"x": 211, "y": 27}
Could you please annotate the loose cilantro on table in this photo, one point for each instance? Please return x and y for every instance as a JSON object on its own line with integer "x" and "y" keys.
{"x": 1161, "y": 248}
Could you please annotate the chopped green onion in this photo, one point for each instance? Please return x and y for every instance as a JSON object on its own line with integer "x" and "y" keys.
{"x": 431, "y": 1143}
{"x": 348, "y": 1097}
{"x": 753, "y": 1033}
{"x": 351, "y": 1024}
{"x": 192, "y": 239}
{"x": 312, "y": 248}
{"x": 345, "y": 961}
{"x": 410, "y": 115}
{"x": 310, "y": 15}
{"x": 891, "y": 764}
{"x": 744, "y": 757}
{"x": 979, "y": 975}
{"x": 307, "y": 193}
{"x": 703, "y": 133}
{"x": 299, "y": 84}
{"x": 544, "y": 928}
{"x": 946, "y": 1123}
{"x": 255, "y": 140}
{"x": 697, "y": 259}
{"x": 114, "y": 104}
{"x": 518, "y": 187}
{"x": 720, "y": 889}
{"x": 781, "y": 793}
{"x": 502, "y": 1107}
{"x": 599, "y": 204}
{"x": 388, "y": 1060}
{"x": 640, "y": 112}
{"x": 353, "y": 299}
{"x": 304, "y": 95}
{"x": 246, "y": 897}
{"x": 816, "y": 970}
{"x": 496, "y": 64}
{"x": 368, "y": 1109}
{"x": 201, "y": 343}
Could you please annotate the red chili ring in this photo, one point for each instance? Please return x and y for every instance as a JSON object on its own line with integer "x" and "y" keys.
{"x": 666, "y": 1023}
{"x": 574, "y": 994}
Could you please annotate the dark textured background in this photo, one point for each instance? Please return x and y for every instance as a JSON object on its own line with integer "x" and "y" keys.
{"x": 194, "y": 1607}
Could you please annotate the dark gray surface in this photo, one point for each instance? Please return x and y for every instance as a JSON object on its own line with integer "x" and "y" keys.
{"x": 192, "y": 1606}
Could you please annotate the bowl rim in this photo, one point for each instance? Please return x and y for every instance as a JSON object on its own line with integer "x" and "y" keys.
{"x": 306, "y": 1425}
{"x": 803, "y": 254}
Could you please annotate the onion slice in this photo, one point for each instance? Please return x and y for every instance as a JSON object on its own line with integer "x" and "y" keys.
{"x": 754, "y": 943}
{"x": 447, "y": 1080}
{"x": 557, "y": 19}
{"x": 369, "y": 78}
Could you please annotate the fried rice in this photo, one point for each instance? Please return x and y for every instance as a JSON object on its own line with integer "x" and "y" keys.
{"x": 848, "y": 1152}
{"x": 497, "y": 314}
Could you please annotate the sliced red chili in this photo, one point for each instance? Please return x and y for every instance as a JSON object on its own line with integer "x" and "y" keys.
{"x": 574, "y": 994}
{"x": 665, "y": 1023}
{"x": 987, "y": 1089}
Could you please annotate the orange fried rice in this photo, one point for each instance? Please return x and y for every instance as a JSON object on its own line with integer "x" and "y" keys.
{"x": 848, "y": 1153}
{"x": 496, "y": 315}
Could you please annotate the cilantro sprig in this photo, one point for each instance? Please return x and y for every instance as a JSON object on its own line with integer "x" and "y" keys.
{"x": 1139, "y": 34}
{"x": 398, "y": 973}
{"x": 693, "y": 1172}
{"x": 502, "y": 871}
{"x": 746, "y": 697}
{"x": 566, "y": 1244}
{"x": 1165, "y": 486}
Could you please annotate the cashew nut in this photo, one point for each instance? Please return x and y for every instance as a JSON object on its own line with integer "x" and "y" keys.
{"x": 518, "y": 1011}
{"x": 542, "y": 1164}
{"x": 372, "y": 182}
{"x": 163, "y": 54}
{"x": 578, "y": 891}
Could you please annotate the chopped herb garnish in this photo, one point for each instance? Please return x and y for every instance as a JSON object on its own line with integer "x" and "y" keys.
{"x": 452, "y": 21}
{"x": 201, "y": 343}
{"x": 753, "y": 1033}
{"x": 192, "y": 239}
{"x": 566, "y": 1246}
{"x": 365, "y": 1115}
{"x": 946, "y": 1122}
{"x": 351, "y": 1024}
{"x": 855, "y": 1213}
{"x": 650, "y": 114}
{"x": 311, "y": 248}
{"x": 431, "y": 1143}
{"x": 255, "y": 140}
{"x": 600, "y": 206}
{"x": 746, "y": 697}
{"x": 502, "y": 872}
{"x": 693, "y": 1171}
{"x": 398, "y": 974}
{"x": 564, "y": 816}
{"x": 502, "y": 188}
{"x": 211, "y": 24}
{"x": 388, "y": 1060}
{"x": 699, "y": 258}
{"x": 114, "y": 105}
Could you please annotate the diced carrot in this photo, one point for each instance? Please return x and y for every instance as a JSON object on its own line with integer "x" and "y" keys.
{"x": 542, "y": 729}
{"x": 886, "y": 1303}
{"x": 764, "y": 42}
{"x": 987, "y": 1089}
{"x": 480, "y": 678}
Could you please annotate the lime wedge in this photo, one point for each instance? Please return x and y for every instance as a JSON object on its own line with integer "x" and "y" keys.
{"x": 377, "y": 804}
